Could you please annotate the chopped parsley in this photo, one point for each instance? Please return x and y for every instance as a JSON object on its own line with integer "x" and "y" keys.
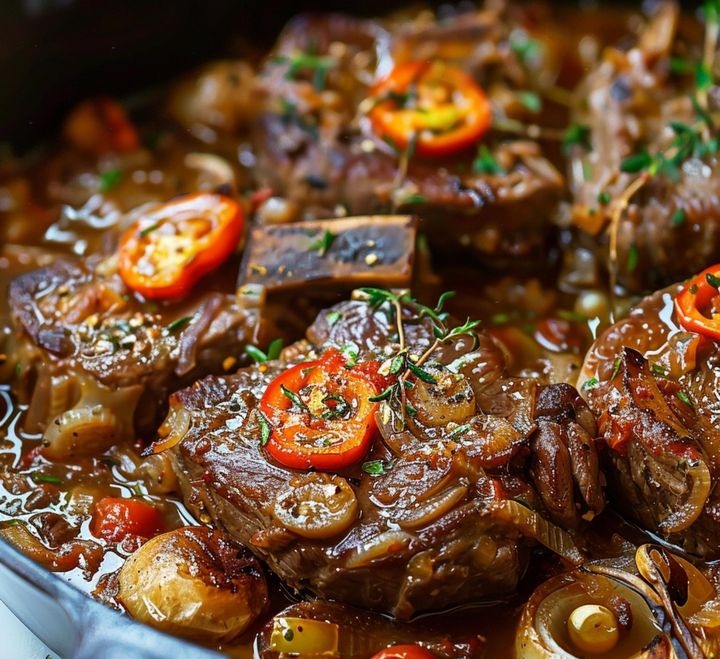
{"x": 109, "y": 179}
{"x": 323, "y": 244}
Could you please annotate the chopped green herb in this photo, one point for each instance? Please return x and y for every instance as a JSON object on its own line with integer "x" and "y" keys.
{"x": 703, "y": 77}
{"x": 46, "y": 478}
{"x": 616, "y": 368}
{"x": 459, "y": 430}
{"x": 526, "y": 48}
{"x": 658, "y": 370}
{"x": 678, "y": 217}
{"x": 531, "y": 101}
{"x": 257, "y": 355}
{"x": 500, "y": 318}
{"x": 713, "y": 280}
{"x": 374, "y": 467}
{"x": 265, "y": 428}
{"x": 179, "y": 324}
{"x": 422, "y": 374}
{"x": 681, "y": 65}
{"x": 684, "y": 398}
{"x": 632, "y": 258}
{"x": 577, "y": 135}
{"x": 485, "y": 163}
{"x": 337, "y": 411}
{"x": 604, "y": 198}
{"x": 294, "y": 398}
{"x": 590, "y": 383}
{"x": 571, "y": 316}
{"x": 109, "y": 179}
{"x": 149, "y": 229}
{"x": 636, "y": 162}
{"x": 324, "y": 243}
{"x": 332, "y": 317}
{"x": 317, "y": 65}
{"x": 274, "y": 349}
{"x": 350, "y": 352}
{"x": 414, "y": 199}
{"x": 383, "y": 395}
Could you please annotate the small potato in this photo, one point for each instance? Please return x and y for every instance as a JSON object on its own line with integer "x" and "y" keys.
{"x": 194, "y": 582}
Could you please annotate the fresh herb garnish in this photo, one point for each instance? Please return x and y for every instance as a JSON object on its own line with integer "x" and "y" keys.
{"x": 414, "y": 199}
{"x": 374, "y": 467}
{"x": 678, "y": 217}
{"x": 336, "y": 411}
{"x": 531, "y": 101}
{"x": 713, "y": 280}
{"x": 324, "y": 243}
{"x": 46, "y": 478}
{"x": 273, "y": 351}
{"x": 294, "y": 398}
{"x": 317, "y": 65}
{"x": 109, "y": 179}
{"x": 179, "y": 324}
{"x": 658, "y": 370}
{"x": 485, "y": 163}
{"x": 401, "y": 308}
{"x": 459, "y": 430}
{"x": 632, "y": 257}
{"x": 150, "y": 228}
{"x": 265, "y": 428}
{"x": 350, "y": 352}
{"x": 604, "y": 198}
{"x": 576, "y": 135}
{"x": 684, "y": 398}
{"x": 616, "y": 368}
{"x": 332, "y": 317}
{"x": 591, "y": 383}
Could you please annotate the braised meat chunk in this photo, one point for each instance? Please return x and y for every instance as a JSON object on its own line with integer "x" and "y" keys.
{"x": 644, "y": 176}
{"x": 98, "y": 344}
{"x": 311, "y": 462}
{"x": 356, "y": 118}
{"x": 652, "y": 384}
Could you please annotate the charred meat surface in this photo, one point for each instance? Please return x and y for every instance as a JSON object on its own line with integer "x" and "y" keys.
{"x": 428, "y": 520}
{"x": 337, "y": 254}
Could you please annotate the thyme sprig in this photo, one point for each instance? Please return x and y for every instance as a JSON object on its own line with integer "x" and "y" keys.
{"x": 402, "y": 309}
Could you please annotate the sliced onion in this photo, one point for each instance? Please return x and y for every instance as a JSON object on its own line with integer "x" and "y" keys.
{"x": 173, "y": 429}
{"x": 537, "y": 527}
{"x": 425, "y": 512}
{"x": 379, "y": 546}
{"x": 317, "y": 506}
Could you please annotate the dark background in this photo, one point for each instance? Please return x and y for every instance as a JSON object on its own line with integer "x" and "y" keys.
{"x": 53, "y": 52}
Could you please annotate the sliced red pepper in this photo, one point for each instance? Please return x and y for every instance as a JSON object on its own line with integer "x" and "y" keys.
{"x": 115, "y": 519}
{"x": 698, "y": 302}
{"x": 404, "y": 652}
{"x": 436, "y": 104}
{"x": 320, "y": 414}
{"x": 165, "y": 253}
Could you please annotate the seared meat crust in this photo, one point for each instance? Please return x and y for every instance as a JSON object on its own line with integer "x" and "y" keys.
{"x": 436, "y": 528}
{"x": 653, "y": 387}
{"x": 313, "y": 145}
{"x": 83, "y": 341}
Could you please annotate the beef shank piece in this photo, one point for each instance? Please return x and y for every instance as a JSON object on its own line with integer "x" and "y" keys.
{"x": 433, "y": 517}
{"x": 633, "y": 104}
{"x": 653, "y": 387}
{"x": 96, "y": 363}
{"x": 314, "y": 146}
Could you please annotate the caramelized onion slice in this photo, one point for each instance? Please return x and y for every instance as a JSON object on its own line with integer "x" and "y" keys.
{"x": 316, "y": 506}
{"x": 537, "y": 527}
{"x": 173, "y": 429}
